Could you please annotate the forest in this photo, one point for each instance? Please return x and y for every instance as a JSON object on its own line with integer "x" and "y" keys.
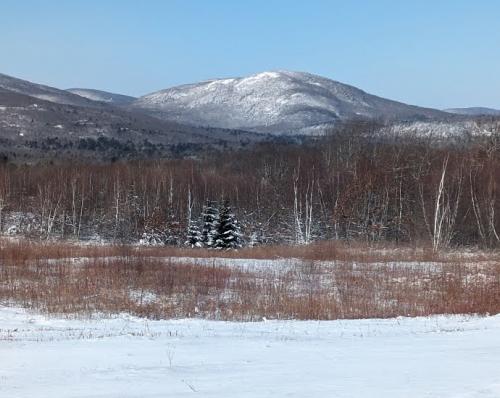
{"x": 351, "y": 184}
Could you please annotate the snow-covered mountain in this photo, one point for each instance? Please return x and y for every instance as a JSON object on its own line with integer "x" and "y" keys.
{"x": 102, "y": 96}
{"x": 474, "y": 111}
{"x": 42, "y": 92}
{"x": 38, "y": 121}
{"x": 276, "y": 102}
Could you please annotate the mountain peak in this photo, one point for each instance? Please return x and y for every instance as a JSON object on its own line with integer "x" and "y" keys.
{"x": 278, "y": 101}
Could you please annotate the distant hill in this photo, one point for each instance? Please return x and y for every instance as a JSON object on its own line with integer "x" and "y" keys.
{"x": 275, "y": 102}
{"x": 38, "y": 121}
{"x": 474, "y": 111}
{"x": 41, "y": 121}
{"x": 103, "y": 96}
{"x": 42, "y": 92}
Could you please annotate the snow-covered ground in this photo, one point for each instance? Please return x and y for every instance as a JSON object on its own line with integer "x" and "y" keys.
{"x": 443, "y": 356}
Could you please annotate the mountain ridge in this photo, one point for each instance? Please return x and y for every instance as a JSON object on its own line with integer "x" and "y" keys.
{"x": 275, "y": 102}
{"x": 43, "y": 92}
{"x": 474, "y": 111}
{"x": 39, "y": 121}
{"x": 187, "y": 119}
{"x": 102, "y": 96}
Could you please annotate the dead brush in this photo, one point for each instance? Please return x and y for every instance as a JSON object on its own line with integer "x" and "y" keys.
{"x": 144, "y": 283}
{"x": 357, "y": 251}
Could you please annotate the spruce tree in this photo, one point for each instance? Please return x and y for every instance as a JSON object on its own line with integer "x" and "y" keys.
{"x": 194, "y": 238}
{"x": 229, "y": 235}
{"x": 210, "y": 224}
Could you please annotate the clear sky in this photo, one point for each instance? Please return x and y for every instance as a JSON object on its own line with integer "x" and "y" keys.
{"x": 440, "y": 53}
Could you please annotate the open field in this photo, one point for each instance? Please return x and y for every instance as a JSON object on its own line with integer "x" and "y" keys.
{"x": 328, "y": 281}
{"x": 329, "y": 319}
{"x": 125, "y": 357}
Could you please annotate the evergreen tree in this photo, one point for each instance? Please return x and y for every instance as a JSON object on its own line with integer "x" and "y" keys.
{"x": 210, "y": 230}
{"x": 171, "y": 231}
{"x": 194, "y": 238}
{"x": 229, "y": 235}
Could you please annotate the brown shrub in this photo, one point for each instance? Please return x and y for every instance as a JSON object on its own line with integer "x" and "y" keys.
{"x": 68, "y": 279}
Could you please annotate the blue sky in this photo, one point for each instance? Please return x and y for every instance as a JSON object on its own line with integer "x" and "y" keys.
{"x": 439, "y": 53}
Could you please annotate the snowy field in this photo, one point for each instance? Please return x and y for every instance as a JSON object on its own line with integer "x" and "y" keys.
{"x": 441, "y": 356}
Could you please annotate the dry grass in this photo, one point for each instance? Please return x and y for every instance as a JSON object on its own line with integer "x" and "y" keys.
{"x": 145, "y": 282}
{"x": 321, "y": 251}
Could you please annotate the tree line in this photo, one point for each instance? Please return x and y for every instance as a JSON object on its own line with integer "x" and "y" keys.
{"x": 351, "y": 184}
